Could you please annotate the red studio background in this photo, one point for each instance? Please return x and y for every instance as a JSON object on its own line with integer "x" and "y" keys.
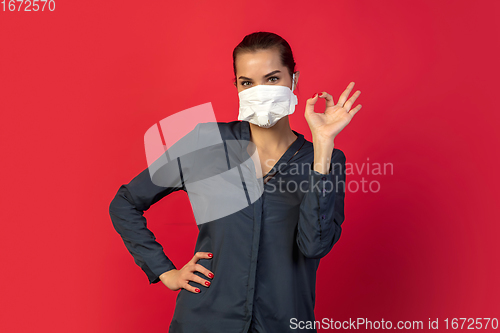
{"x": 80, "y": 85}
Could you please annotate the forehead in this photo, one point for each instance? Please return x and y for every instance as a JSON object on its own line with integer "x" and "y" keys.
{"x": 258, "y": 63}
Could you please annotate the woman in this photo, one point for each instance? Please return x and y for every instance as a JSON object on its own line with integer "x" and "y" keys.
{"x": 254, "y": 269}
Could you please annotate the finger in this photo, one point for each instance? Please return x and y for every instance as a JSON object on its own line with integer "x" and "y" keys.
{"x": 203, "y": 270}
{"x": 197, "y": 256}
{"x": 328, "y": 98}
{"x": 345, "y": 94}
{"x": 192, "y": 289}
{"x": 200, "y": 280}
{"x": 350, "y": 101}
{"x": 310, "y": 104}
{"x": 355, "y": 110}
{"x": 201, "y": 255}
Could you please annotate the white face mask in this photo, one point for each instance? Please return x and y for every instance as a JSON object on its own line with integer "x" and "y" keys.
{"x": 264, "y": 105}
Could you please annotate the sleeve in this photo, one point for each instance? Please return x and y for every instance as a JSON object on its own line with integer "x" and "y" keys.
{"x": 133, "y": 199}
{"x": 322, "y": 209}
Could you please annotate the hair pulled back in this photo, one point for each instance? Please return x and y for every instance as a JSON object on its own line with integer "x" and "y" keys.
{"x": 262, "y": 40}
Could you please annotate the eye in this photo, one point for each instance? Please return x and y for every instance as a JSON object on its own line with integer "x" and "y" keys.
{"x": 271, "y": 78}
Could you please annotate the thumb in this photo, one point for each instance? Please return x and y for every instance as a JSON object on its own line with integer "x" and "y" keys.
{"x": 310, "y": 104}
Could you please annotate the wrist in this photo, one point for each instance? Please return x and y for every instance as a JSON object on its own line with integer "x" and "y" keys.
{"x": 322, "y": 138}
{"x": 164, "y": 275}
{"x": 321, "y": 141}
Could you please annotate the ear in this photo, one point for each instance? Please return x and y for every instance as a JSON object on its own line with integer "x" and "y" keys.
{"x": 297, "y": 74}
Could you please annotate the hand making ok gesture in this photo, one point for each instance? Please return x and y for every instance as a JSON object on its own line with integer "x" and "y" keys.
{"x": 325, "y": 126}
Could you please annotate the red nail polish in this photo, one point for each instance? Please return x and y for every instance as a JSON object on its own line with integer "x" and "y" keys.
{"x": 197, "y": 290}
{"x": 207, "y": 283}
{"x": 319, "y": 94}
{"x": 210, "y": 255}
{"x": 210, "y": 275}
{"x": 314, "y": 95}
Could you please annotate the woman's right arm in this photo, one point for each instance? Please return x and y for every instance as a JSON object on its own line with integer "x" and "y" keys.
{"x": 126, "y": 211}
{"x": 133, "y": 199}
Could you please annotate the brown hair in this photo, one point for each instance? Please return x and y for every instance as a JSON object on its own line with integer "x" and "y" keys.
{"x": 262, "y": 40}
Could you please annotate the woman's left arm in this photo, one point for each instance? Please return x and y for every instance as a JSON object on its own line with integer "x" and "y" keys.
{"x": 322, "y": 208}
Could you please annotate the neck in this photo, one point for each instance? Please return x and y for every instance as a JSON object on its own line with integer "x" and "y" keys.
{"x": 278, "y": 137}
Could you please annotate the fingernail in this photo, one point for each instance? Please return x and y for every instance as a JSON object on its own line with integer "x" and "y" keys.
{"x": 207, "y": 283}
{"x": 314, "y": 95}
{"x": 320, "y": 93}
{"x": 210, "y": 275}
{"x": 197, "y": 290}
{"x": 210, "y": 255}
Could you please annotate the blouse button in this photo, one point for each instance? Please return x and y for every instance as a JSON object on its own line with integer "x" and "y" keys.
{"x": 323, "y": 178}
{"x": 323, "y": 216}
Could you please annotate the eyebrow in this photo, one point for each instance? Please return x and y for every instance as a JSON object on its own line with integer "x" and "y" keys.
{"x": 267, "y": 75}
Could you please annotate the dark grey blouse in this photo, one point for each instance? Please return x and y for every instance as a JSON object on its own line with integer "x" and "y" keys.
{"x": 265, "y": 254}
